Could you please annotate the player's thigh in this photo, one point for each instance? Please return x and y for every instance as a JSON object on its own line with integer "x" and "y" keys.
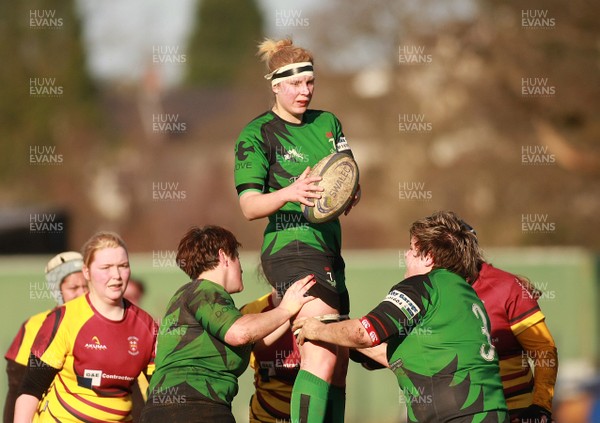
{"x": 319, "y": 359}
{"x": 316, "y": 308}
{"x": 341, "y": 366}
{"x": 327, "y": 361}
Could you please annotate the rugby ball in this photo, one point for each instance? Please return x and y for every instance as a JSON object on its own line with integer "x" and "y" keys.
{"x": 339, "y": 173}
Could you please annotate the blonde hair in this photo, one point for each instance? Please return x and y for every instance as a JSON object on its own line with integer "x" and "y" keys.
{"x": 278, "y": 53}
{"x": 100, "y": 241}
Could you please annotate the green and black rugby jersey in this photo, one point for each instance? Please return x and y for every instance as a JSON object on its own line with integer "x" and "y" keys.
{"x": 270, "y": 154}
{"x": 193, "y": 362}
{"x": 439, "y": 347}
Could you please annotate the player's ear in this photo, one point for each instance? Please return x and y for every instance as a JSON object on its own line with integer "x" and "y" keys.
{"x": 428, "y": 260}
{"x": 86, "y": 273}
{"x": 223, "y": 258}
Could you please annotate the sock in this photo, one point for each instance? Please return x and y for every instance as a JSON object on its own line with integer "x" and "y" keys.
{"x": 309, "y": 398}
{"x": 336, "y": 404}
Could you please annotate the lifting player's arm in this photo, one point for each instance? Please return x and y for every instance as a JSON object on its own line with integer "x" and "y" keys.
{"x": 391, "y": 318}
{"x": 376, "y": 354}
{"x": 251, "y": 327}
{"x": 270, "y": 339}
{"x": 256, "y": 205}
{"x": 258, "y": 307}
{"x": 349, "y": 333}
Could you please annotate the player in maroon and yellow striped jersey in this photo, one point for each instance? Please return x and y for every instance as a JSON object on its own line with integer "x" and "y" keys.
{"x": 89, "y": 351}
{"x": 276, "y": 362}
{"x": 522, "y": 340}
{"x": 65, "y": 282}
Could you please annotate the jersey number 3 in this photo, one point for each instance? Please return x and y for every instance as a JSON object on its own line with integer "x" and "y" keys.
{"x": 487, "y": 351}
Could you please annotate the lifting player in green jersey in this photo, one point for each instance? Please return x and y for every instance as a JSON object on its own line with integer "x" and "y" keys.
{"x": 431, "y": 330}
{"x": 204, "y": 341}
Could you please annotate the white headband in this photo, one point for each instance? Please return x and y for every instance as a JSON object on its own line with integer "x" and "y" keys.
{"x": 290, "y": 71}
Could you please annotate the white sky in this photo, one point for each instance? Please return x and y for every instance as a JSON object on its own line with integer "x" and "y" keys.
{"x": 120, "y": 34}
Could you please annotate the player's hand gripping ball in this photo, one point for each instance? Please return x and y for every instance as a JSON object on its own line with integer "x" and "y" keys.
{"x": 339, "y": 173}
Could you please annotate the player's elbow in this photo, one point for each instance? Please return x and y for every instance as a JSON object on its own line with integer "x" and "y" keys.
{"x": 359, "y": 338}
{"x": 249, "y": 215}
{"x": 363, "y": 342}
{"x": 248, "y": 207}
{"x": 546, "y": 357}
{"x": 238, "y": 336}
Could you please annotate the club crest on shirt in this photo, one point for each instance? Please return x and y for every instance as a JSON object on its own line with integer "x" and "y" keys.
{"x": 133, "y": 345}
{"x": 404, "y": 303}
